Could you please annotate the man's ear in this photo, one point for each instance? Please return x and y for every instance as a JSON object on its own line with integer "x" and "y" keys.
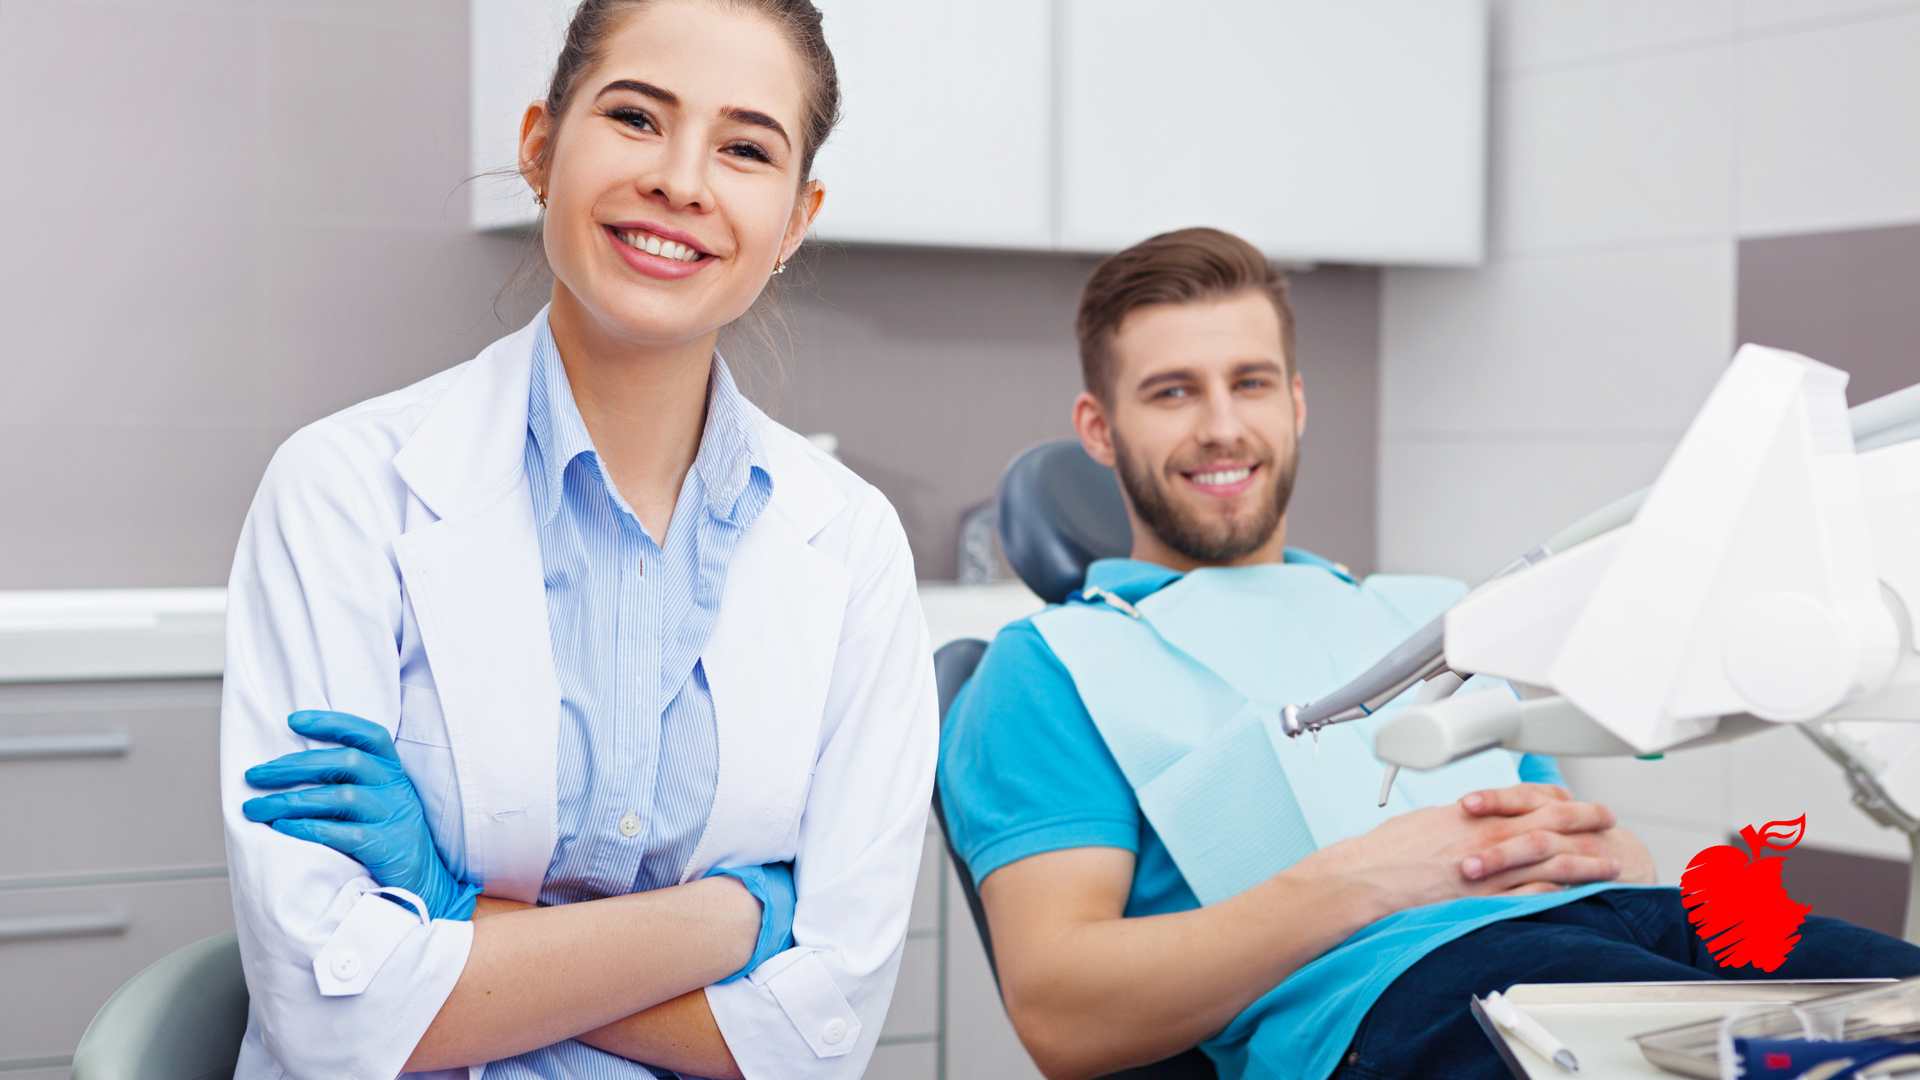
{"x": 1299, "y": 408}
{"x": 1091, "y": 424}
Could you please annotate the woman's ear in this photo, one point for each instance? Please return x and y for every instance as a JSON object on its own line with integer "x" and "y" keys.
{"x": 536, "y": 129}
{"x": 805, "y": 208}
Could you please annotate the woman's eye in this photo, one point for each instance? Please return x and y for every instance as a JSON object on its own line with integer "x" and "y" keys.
{"x": 638, "y": 119}
{"x": 749, "y": 151}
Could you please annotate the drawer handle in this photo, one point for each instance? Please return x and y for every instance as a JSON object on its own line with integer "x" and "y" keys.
{"x": 77, "y": 924}
{"x": 91, "y": 744}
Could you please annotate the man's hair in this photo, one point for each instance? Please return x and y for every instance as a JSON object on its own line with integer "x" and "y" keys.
{"x": 1173, "y": 268}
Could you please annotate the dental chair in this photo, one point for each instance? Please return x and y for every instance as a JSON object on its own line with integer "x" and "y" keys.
{"x": 1058, "y": 511}
{"x": 180, "y": 1019}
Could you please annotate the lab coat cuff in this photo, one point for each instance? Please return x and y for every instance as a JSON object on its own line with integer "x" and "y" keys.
{"x": 785, "y": 1003}
{"x": 373, "y": 927}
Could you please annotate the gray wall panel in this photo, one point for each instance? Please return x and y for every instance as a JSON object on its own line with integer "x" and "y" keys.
{"x": 1850, "y": 299}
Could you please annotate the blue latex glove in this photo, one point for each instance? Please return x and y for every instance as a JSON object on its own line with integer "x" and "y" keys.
{"x": 772, "y": 885}
{"x": 366, "y": 809}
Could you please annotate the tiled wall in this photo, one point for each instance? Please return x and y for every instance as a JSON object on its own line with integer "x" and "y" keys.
{"x": 1636, "y": 144}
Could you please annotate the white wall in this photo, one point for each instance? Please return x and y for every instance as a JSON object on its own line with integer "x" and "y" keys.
{"x": 1634, "y": 143}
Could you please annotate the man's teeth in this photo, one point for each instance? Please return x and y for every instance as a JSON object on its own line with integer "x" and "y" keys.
{"x": 1222, "y": 477}
{"x": 653, "y": 245}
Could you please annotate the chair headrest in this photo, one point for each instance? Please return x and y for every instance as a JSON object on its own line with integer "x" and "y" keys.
{"x": 1058, "y": 510}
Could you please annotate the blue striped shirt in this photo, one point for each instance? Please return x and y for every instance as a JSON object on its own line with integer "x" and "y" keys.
{"x": 629, "y": 617}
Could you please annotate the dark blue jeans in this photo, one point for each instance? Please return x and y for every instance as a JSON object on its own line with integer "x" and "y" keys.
{"x": 1420, "y": 1028}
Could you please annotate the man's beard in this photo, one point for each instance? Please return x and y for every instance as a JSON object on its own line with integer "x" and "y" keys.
{"x": 1198, "y": 539}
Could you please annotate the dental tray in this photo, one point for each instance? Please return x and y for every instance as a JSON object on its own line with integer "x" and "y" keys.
{"x": 1863, "y": 1011}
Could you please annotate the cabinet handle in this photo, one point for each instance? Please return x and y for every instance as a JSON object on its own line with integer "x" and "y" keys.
{"x": 76, "y": 924}
{"x": 91, "y": 744}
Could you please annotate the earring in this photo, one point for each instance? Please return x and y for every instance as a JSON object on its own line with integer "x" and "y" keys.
{"x": 780, "y": 267}
{"x": 540, "y": 197}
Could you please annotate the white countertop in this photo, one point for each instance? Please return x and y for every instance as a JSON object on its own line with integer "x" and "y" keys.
{"x": 49, "y": 635}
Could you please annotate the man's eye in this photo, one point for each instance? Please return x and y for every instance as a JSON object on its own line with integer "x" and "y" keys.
{"x": 638, "y": 119}
{"x": 1172, "y": 392}
{"x": 749, "y": 151}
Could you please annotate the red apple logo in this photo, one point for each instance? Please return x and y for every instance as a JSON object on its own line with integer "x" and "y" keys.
{"x": 1736, "y": 902}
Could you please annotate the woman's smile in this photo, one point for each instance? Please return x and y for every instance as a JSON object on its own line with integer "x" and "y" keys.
{"x": 658, "y": 252}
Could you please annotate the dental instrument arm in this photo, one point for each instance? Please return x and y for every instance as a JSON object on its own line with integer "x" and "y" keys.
{"x": 1767, "y": 577}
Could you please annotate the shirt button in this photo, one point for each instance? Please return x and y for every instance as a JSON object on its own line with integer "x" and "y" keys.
{"x": 346, "y": 964}
{"x": 833, "y": 1031}
{"x": 629, "y": 825}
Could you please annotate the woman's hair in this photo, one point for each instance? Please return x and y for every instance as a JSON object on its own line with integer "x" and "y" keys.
{"x": 1181, "y": 267}
{"x": 594, "y": 21}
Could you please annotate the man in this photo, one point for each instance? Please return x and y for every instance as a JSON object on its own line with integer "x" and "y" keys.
{"x": 1111, "y": 765}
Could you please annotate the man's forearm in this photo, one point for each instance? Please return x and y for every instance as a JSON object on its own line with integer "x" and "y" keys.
{"x": 1092, "y": 996}
{"x": 536, "y": 977}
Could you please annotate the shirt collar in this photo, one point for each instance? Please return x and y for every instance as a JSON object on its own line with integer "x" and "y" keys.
{"x": 1133, "y": 581}
{"x": 730, "y": 464}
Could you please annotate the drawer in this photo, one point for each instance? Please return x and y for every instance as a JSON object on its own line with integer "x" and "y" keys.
{"x": 109, "y": 776}
{"x": 54, "y": 984}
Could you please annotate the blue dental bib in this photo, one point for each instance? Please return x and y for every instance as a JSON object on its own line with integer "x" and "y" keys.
{"x": 1186, "y": 690}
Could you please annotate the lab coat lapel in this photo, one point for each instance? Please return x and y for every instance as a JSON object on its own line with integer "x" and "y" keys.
{"x": 769, "y": 663}
{"x": 475, "y": 582}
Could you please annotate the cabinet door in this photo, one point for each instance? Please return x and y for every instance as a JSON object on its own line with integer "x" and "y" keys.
{"x": 947, "y": 123}
{"x": 1320, "y": 130}
{"x": 512, "y": 46}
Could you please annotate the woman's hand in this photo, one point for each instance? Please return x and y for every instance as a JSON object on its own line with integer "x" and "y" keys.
{"x": 366, "y": 809}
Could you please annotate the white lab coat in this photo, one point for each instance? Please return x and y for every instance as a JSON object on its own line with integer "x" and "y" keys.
{"x": 390, "y": 568}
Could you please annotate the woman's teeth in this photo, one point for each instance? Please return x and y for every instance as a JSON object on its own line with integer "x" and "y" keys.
{"x": 1223, "y": 477}
{"x": 653, "y": 245}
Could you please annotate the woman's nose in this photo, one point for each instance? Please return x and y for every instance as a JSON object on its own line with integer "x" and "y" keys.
{"x": 679, "y": 176}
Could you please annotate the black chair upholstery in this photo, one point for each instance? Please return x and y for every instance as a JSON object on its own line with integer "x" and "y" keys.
{"x": 1058, "y": 511}
{"x": 953, "y": 665}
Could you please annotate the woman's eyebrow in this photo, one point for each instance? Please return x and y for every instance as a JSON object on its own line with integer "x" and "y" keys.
{"x": 664, "y": 97}
{"x": 758, "y": 119}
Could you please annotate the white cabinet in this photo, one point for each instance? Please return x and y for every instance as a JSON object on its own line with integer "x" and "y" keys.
{"x": 946, "y": 136}
{"x": 512, "y": 45}
{"x": 1320, "y": 130}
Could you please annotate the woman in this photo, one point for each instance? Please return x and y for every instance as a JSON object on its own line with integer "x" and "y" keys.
{"x": 574, "y": 622}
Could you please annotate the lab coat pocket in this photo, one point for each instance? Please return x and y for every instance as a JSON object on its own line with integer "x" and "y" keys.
{"x": 428, "y": 758}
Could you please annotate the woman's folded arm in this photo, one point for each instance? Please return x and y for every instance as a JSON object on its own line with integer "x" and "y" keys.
{"x": 535, "y": 977}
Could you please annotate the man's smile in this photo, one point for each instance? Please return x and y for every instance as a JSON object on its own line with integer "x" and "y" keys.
{"x": 1222, "y": 479}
